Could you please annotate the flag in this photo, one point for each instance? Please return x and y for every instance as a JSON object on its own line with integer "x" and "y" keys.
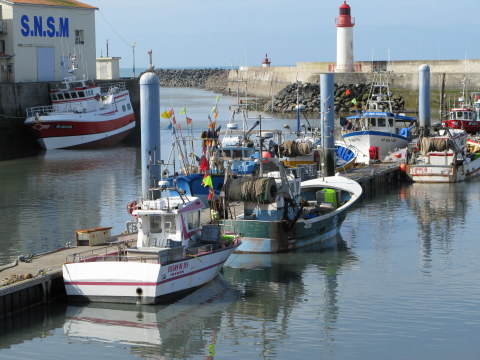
{"x": 207, "y": 181}
{"x": 188, "y": 120}
{"x": 218, "y": 97}
{"x": 212, "y": 125}
{"x": 214, "y": 109}
{"x": 183, "y": 110}
{"x": 210, "y": 194}
{"x": 166, "y": 115}
{"x": 204, "y": 165}
{"x": 174, "y": 121}
{"x": 354, "y": 101}
{"x": 171, "y": 112}
{"x": 215, "y": 116}
{"x": 179, "y": 127}
{"x": 347, "y": 92}
{"x": 169, "y": 126}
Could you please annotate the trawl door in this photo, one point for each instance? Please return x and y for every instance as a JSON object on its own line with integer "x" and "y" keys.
{"x": 45, "y": 64}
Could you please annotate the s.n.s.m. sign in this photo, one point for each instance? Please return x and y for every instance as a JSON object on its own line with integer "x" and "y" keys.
{"x": 45, "y": 27}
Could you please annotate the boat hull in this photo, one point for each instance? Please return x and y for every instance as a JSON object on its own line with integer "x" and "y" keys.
{"x": 141, "y": 282}
{"x": 452, "y": 173}
{"x": 274, "y": 236}
{"x": 386, "y": 143}
{"x": 470, "y": 126}
{"x": 57, "y": 132}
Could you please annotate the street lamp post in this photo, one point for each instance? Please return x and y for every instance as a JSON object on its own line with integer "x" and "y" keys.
{"x": 133, "y": 61}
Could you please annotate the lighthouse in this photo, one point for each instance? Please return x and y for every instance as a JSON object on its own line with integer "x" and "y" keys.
{"x": 345, "y": 24}
{"x": 266, "y": 62}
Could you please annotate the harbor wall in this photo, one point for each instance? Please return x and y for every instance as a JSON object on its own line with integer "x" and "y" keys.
{"x": 267, "y": 81}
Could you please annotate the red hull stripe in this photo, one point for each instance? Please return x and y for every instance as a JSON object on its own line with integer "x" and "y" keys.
{"x": 112, "y": 283}
{"x": 73, "y": 128}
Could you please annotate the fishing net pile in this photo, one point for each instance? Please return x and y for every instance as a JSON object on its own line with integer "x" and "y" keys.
{"x": 429, "y": 144}
{"x": 291, "y": 148}
{"x": 254, "y": 189}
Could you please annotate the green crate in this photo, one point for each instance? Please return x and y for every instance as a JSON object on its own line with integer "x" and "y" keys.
{"x": 329, "y": 196}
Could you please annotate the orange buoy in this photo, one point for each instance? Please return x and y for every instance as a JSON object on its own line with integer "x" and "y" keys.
{"x": 403, "y": 167}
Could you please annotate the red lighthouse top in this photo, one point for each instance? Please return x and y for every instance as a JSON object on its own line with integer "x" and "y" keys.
{"x": 266, "y": 61}
{"x": 345, "y": 20}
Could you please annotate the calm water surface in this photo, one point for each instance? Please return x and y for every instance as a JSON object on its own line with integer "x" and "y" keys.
{"x": 402, "y": 283}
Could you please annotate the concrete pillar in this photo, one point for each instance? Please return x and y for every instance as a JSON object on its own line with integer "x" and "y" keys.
{"x": 150, "y": 131}
{"x": 424, "y": 98}
{"x": 327, "y": 121}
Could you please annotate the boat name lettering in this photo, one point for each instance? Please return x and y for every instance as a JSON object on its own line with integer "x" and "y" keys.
{"x": 39, "y": 26}
{"x": 388, "y": 140}
{"x": 176, "y": 267}
{"x": 64, "y": 126}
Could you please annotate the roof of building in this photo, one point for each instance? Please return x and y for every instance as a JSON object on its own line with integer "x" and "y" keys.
{"x": 62, "y": 3}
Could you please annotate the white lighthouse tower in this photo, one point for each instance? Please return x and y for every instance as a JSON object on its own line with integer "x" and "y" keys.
{"x": 345, "y": 24}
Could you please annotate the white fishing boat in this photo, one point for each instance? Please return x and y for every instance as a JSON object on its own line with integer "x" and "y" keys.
{"x": 449, "y": 156}
{"x": 378, "y": 132}
{"x": 82, "y": 114}
{"x": 173, "y": 254}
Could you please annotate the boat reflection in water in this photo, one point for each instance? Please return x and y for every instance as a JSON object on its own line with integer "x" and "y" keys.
{"x": 187, "y": 326}
{"x": 440, "y": 215}
{"x": 275, "y": 286}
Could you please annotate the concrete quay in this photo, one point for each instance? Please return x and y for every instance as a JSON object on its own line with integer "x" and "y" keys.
{"x": 41, "y": 280}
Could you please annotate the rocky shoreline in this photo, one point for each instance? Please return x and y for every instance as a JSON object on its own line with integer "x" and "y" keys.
{"x": 348, "y": 98}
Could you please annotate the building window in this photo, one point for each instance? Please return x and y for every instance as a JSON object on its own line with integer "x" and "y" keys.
{"x": 79, "y": 37}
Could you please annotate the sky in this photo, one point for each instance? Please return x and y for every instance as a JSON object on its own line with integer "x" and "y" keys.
{"x": 232, "y": 33}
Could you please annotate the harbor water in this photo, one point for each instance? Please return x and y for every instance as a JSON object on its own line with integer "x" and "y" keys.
{"x": 399, "y": 282}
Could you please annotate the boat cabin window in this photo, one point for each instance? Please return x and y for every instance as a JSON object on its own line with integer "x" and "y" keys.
{"x": 470, "y": 116}
{"x": 67, "y": 95}
{"x": 459, "y": 115}
{"x": 372, "y": 122}
{"x": 60, "y": 96}
{"x": 381, "y": 122}
{"x": 54, "y": 97}
{"x": 156, "y": 224}
{"x": 233, "y": 153}
{"x": 170, "y": 226}
{"x": 193, "y": 220}
{"x": 123, "y": 108}
{"x": 74, "y": 95}
{"x": 81, "y": 94}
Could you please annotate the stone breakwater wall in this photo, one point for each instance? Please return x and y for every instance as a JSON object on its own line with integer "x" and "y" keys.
{"x": 209, "y": 79}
